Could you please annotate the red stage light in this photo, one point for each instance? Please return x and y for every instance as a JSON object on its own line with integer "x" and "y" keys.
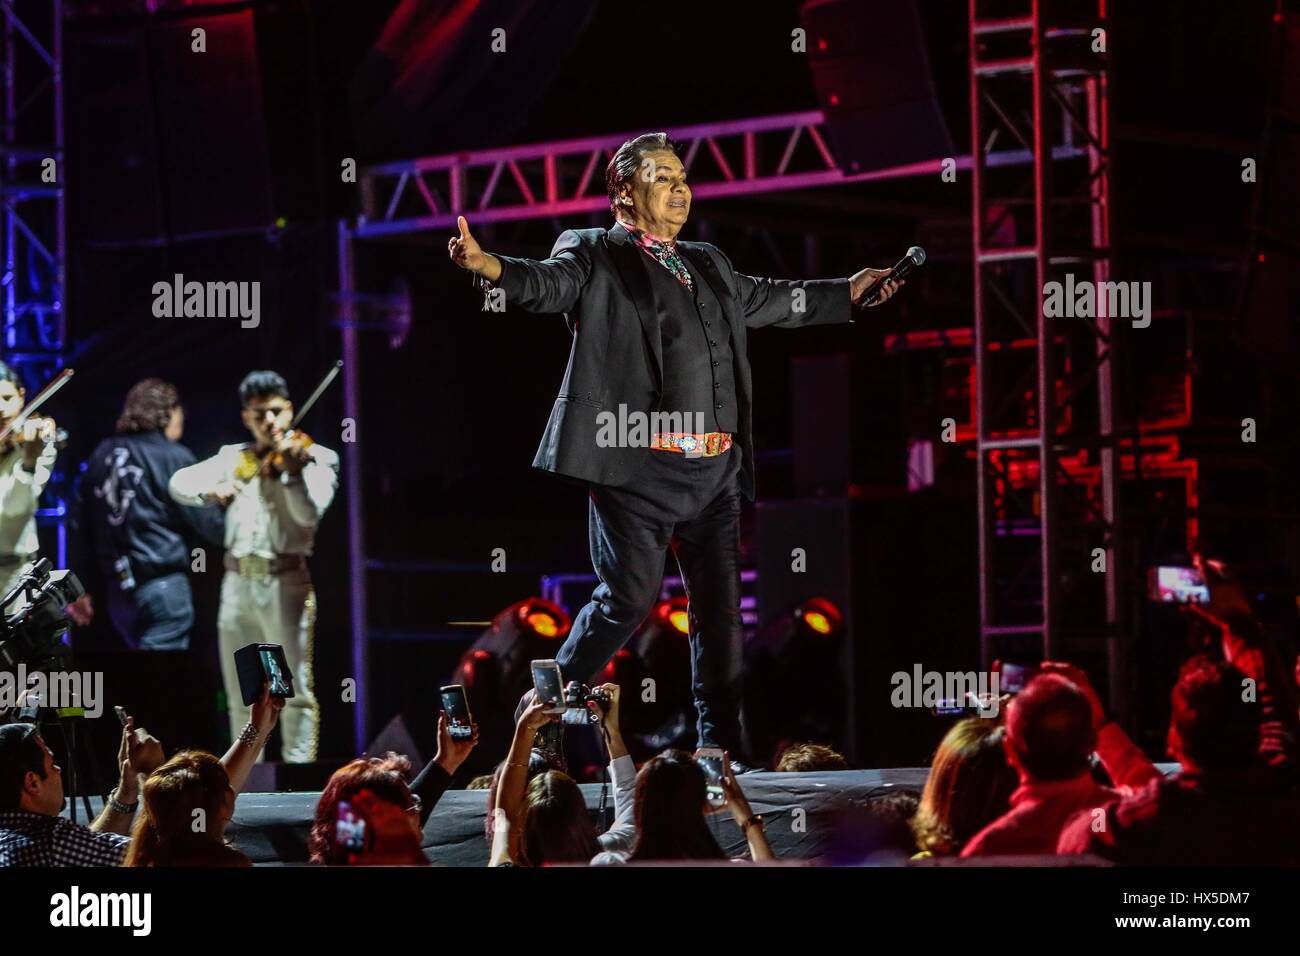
{"x": 675, "y": 614}
{"x": 543, "y": 624}
{"x": 543, "y": 618}
{"x": 821, "y": 616}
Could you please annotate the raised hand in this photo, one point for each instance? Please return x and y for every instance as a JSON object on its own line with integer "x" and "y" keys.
{"x": 452, "y": 751}
{"x": 465, "y": 250}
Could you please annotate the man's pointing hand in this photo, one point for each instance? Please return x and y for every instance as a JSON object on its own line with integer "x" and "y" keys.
{"x": 468, "y": 254}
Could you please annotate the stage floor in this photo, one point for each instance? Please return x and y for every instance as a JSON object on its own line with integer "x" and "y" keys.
{"x": 799, "y": 811}
{"x": 272, "y": 828}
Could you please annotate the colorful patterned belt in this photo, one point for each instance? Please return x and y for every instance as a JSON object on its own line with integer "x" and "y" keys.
{"x": 692, "y": 446}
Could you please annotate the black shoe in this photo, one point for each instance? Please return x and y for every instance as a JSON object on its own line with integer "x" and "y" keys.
{"x": 739, "y": 766}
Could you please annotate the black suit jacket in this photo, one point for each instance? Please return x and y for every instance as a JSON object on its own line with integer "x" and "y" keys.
{"x": 598, "y": 279}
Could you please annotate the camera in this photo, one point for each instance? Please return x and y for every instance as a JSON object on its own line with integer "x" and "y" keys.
{"x": 33, "y": 634}
{"x": 577, "y": 697}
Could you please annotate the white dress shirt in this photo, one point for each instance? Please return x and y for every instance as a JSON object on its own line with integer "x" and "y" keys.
{"x": 19, "y": 491}
{"x": 268, "y": 516}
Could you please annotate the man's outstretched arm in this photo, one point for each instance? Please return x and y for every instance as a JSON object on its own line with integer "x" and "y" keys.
{"x": 549, "y": 285}
{"x": 792, "y": 303}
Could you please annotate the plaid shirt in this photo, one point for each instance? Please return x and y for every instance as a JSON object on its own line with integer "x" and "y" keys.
{"x": 35, "y": 839}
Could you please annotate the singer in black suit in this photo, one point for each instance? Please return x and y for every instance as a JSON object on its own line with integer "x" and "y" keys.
{"x": 659, "y": 330}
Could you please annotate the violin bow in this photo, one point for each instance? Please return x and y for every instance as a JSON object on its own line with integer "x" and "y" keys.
{"x": 332, "y": 374}
{"x": 43, "y": 396}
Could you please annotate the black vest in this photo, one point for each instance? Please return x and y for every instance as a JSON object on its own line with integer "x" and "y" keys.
{"x": 699, "y": 374}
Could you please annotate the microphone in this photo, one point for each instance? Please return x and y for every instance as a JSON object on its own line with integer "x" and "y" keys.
{"x": 915, "y": 258}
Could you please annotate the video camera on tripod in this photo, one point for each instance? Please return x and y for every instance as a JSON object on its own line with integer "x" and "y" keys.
{"x": 33, "y": 633}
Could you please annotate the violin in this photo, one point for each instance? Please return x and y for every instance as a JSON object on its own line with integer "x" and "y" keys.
{"x": 14, "y": 432}
{"x": 35, "y": 426}
{"x": 271, "y": 463}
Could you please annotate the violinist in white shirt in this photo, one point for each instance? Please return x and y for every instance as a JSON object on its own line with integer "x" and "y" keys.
{"x": 275, "y": 489}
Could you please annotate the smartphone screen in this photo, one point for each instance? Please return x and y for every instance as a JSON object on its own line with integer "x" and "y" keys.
{"x": 455, "y": 703}
{"x": 121, "y": 713}
{"x": 950, "y": 707}
{"x": 1012, "y": 678}
{"x": 349, "y": 828}
{"x": 713, "y": 761}
{"x": 1178, "y": 585}
{"x": 277, "y": 671}
{"x": 549, "y": 685}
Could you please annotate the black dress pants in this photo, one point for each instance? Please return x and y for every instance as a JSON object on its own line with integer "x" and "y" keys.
{"x": 693, "y": 506}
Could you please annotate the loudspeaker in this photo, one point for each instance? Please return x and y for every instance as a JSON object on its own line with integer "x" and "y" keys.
{"x": 903, "y": 572}
{"x": 871, "y": 70}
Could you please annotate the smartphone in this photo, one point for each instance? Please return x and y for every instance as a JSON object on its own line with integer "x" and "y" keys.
{"x": 456, "y": 704}
{"x": 121, "y": 713}
{"x": 714, "y": 762}
{"x": 1171, "y": 584}
{"x": 276, "y": 669}
{"x": 549, "y": 685}
{"x": 1012, "y": 678}
{"x": 258, "y": 665}
{"x": 349, "y": 828}
{"x": 949, "y": 707}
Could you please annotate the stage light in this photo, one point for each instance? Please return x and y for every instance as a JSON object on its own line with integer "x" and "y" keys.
{"x": 542, "y": 623}
{"x": 817, "y": 622}
{"x": 495, "y": 669}
{"x": 676, "y": 613}
{"x": 821, "y": 616}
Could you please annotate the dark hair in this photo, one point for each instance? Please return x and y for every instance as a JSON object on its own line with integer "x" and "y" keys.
{"x": 882, "y": 828}
{"x": 148, "y": 407}
{"x": 810, "y": 758}
{"x": 384, "y": 777}
{"x": 670, "y": 795}
{"x": 969, "y": 786}
{"x": 556, "y": 825}
{"x": 20, "y": 754}
{"x": 1049, "y": 725}
{"x": 262, "y": 384}
{"x": 623, "y": 165}
{"x": 1216, "y": 727}
{"x": 538, "y": 762}
{"x": 7, "y": 374}
{"x": 173, "y": 796}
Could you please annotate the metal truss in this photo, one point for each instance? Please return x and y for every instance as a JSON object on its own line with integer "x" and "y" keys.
{"x": 566, "y": 177}
{"x": 33, "y": 216}
{"x": 1049, "y": 458}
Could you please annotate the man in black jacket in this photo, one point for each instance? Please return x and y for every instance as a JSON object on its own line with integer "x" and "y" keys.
{"x": 654, "y": 413}
{"x": 133, "y": 535}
